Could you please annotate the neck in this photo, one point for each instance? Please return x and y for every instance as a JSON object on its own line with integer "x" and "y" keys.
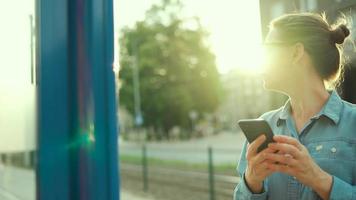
{"x": 307, "y": 100}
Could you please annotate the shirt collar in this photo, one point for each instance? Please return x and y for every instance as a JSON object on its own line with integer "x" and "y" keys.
{"x": 332, "y": 108}
{"x": 285, "y": 110}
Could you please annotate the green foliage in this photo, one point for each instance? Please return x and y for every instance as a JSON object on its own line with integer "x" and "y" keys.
{"x": 177, "y": 70}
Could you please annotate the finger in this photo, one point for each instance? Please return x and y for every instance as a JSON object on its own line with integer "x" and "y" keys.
{"x": 287, "y": 140}
{"x": 279, "y": 152}
{"x": 281, "y": 168}
{"x": 261, "y": 156}
{"x": 270, "y": 162}
{"x": 286, "y": 148}
{"x": 263, "y": 168}
{"x": 268, "y": 150}
{"x": 252, "y": 150}
{"x": 285, "y": 159}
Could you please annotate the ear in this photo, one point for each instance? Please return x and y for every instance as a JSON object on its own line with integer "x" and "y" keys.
{"x": 298, "y": 52}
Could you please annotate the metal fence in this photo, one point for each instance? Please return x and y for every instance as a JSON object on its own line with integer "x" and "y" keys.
{"x": 218, "y": 184}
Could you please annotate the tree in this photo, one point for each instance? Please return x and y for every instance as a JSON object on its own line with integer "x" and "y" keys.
{"x": 177, "y": 69}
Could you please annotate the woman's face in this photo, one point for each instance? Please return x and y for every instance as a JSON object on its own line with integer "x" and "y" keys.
{"x": 278, "y": 61}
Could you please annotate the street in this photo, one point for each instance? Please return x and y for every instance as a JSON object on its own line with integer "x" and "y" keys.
{"x": 226, "y": 149}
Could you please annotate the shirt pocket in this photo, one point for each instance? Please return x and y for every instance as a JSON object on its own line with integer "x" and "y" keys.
{"x": 339, "y": 149}
{"x": 337, "y": 157}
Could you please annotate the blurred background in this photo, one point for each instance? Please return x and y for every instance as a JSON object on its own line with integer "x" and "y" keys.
{"x": 185, "y": 71}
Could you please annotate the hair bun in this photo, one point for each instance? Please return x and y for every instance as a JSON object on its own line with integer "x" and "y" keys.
{"x": 339, "y": 34}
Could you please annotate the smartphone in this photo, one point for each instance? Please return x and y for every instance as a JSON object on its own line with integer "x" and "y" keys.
{"x": 253, "y": 128}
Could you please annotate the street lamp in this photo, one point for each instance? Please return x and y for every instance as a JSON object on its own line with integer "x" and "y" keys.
{"x": 136, "y": 84}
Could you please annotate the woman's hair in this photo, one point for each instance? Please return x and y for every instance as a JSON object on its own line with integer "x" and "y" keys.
{"x": 322, "y": 41}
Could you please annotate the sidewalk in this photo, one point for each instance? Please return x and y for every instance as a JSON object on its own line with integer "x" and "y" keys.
{"x": 126, "y": 195}
{"x": 17, "y": 183}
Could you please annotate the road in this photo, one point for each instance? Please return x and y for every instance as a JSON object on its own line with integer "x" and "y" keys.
{"x": 226, "y": 149}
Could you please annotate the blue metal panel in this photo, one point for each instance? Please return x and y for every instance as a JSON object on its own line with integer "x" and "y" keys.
{"x": 111, "y": 101}
{"x": 53, "y": 102}
{"x": 80, "y": 113}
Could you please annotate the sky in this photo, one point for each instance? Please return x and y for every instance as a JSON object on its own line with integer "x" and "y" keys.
{"x": 234, "y": 26}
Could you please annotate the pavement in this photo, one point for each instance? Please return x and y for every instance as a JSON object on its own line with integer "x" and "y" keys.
{"x": 19, "y": 184}
{"x": 126, "y": 195}
{"x": 16, "y": 183}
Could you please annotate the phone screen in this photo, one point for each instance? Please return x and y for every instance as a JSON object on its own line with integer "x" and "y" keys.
{"x": 253, "y": 128}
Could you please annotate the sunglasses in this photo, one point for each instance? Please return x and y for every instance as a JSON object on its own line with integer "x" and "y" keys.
{"x": 268, "y": 44}
{"x": 268, "y": 47}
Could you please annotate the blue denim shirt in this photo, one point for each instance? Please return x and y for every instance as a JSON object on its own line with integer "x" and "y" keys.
{"x": 329, "y": 136}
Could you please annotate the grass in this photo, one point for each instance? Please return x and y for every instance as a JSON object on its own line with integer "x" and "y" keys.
{"x": 226, "y": 168}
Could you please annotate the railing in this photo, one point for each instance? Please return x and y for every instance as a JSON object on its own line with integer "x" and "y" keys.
{"x": 206, "y": 177}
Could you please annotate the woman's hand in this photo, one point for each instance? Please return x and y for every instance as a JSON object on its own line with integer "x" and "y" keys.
{"x": 294, "y": 159}
{"x": 256, "y": 170}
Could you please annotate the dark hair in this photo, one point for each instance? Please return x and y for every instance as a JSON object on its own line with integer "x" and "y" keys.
{"x": 322, "y": 41}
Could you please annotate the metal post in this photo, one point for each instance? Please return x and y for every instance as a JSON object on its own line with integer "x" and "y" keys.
{"x": 32, "y": 34}
{"x": 79, "y": 134}
{"x": 211, "y": 174}
{"x": 136, "y": 84}
{"x": 144, "y": 168}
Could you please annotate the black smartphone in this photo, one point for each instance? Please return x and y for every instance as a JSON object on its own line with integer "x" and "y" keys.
{"x": 253, "y": 128}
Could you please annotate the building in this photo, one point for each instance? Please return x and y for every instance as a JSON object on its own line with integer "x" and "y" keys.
{"x": 244, "y": 97}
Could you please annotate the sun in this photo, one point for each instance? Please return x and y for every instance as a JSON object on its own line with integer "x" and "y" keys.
{"x": 237, "y": 39}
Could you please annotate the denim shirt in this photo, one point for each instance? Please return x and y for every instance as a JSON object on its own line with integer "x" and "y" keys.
{"x": 329, "y": 136}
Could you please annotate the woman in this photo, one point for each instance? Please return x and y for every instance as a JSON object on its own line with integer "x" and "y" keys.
{"x": 315, "y": 130}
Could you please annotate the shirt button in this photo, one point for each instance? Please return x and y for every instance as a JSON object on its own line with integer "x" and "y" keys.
{"x": 319, "y": 147}
{"x": 333, "y": 149}
{"x": 294, "y": 177}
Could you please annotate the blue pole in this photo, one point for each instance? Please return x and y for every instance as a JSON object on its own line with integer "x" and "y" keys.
{"x": 77, "y": 141}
